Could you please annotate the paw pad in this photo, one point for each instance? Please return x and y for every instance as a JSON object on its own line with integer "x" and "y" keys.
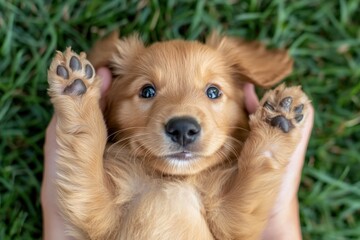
{"x": 62, "y": 72}
{"x": 73, "y": 72}
{"x": 88, "y": 71}
{"x": 286, "y": 103}
{"x": 284, "y": 108}
{"x": 75, "y": 64}
{"x": 299, "y": 109}
{"x": 282, "y": 123}
{"x": 76, "y": 88}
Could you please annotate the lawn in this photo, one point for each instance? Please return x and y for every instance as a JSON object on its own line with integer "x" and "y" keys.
{"x": 323, "y": 36}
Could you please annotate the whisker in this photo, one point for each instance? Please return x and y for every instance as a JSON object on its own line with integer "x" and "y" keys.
{"x": 123, "y": 130}
{"x": 125, "y": 139}
{"x": 237, "y": 127}
{"x": 129, "y": 144}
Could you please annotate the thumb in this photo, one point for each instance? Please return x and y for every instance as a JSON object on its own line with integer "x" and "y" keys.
{"x": 106, "y": 78}
{"x": 251, "y": 100}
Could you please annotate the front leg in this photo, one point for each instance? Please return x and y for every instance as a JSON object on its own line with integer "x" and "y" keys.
{"x": 83, "y": 189}
{"x": 275, "y": 132}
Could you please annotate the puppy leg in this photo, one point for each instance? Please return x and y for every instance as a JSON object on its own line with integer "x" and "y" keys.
{"x": 275, "y": 132}
{"x": 83, "y": 189}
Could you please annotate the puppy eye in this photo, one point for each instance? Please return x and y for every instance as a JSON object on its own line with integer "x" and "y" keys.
{"x": 148, "y": 91}
{"x": 213, "y": 92}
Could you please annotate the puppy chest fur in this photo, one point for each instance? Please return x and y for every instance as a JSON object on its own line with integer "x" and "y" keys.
{"x": 163, "y": 210}
{"x": 155, "y": 206}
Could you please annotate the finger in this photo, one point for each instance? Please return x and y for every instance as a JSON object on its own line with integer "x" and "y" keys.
{"x": 297, "y": 159}
{"x": 106, "y": 78}
{"x": 49, "y": 173}
{"x": 292, "y": 176}
{"x": 50, "y": 140}
{"x": 251, "y": 99}
{"x": 105, "y": 75}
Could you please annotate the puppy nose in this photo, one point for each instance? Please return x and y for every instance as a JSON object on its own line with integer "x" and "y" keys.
{"x": 183, "y": 130}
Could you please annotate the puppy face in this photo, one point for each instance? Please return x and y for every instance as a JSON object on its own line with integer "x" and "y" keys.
{"x": 177, "y": 105}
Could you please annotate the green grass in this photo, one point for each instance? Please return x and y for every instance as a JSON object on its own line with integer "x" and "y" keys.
{"x": 323, "y": 36}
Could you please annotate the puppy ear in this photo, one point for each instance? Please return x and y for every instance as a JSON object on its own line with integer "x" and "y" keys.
{"x": 101, "y": 53}
{"x": 115, "y": 53}
{"x": 126, "y": 51}
{"x": 252, "y": 61}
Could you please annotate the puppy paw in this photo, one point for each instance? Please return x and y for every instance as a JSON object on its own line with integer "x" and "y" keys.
{"x": 71, "y": 74}
{"x": 284, "y": 108}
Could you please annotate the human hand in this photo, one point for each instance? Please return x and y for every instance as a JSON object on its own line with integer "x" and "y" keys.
{"x": 286, "y": 209}
{"x": 53, "y": 224}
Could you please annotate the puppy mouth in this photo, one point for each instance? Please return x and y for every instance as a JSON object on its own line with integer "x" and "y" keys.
{"x": 182, "y": 156}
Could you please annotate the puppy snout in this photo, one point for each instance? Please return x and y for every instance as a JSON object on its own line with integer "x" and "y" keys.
{"x": 183, "y": 130}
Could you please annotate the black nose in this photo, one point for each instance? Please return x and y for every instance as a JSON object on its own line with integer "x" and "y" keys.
{"x": 183, "y": 130}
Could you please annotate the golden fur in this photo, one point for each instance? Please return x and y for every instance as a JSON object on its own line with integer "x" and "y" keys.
{"x": 126, "y": 186}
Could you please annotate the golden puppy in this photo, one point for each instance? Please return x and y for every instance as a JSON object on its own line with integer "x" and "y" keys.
{"x": 182, "y": 160}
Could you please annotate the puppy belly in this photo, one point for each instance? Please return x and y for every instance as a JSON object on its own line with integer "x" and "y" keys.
{"x": 165, "y": 211}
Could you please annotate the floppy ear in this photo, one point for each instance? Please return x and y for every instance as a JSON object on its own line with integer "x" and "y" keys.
{"x": 115, "y": 53}
{"x": 101, "y": 53}
{"x": 126, "y": 51}
{"x": 252, "y": 61}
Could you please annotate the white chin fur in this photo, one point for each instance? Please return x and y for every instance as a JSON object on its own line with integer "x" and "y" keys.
{"x": 180, "y": 163}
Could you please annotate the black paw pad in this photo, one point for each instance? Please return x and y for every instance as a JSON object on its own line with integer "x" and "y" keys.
{"x": 75, "y": 64}
{"x": 62, "y": 72}
{"x": 77, "y": 88}
{"x": 281, "y": 122}
{"x": 299, "y": 109}
{"x": 89, "y": 72}
{"x": 299, "y": 117}
{"x": 269, "y": 106}
{"x": 286, "y": 103}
